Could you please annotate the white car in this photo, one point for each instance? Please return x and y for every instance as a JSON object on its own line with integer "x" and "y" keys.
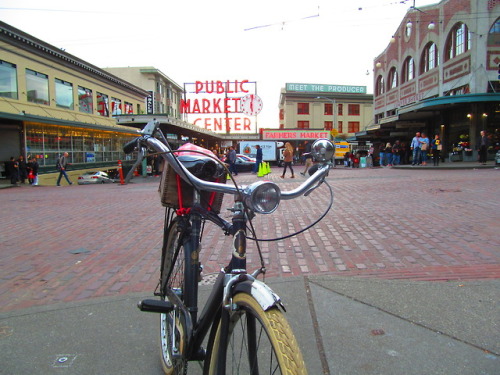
{"x": 94, "y": 178}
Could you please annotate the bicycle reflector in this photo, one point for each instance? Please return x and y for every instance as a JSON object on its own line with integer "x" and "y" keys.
{"x": 323, "y": 150}
{"x": 263, "y": 197}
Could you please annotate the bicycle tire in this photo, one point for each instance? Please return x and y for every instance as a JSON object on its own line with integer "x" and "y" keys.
{"x": 172, "y": 277}
{"x": 277, "y": 351}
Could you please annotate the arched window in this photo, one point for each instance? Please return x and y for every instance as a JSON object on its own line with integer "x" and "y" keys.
{"x": 430, "y": 58}
{"x": 379, "y": 86}
{"x": 494, "y": 34}
{"x": 458, "y": 41}
{"x": 408, "y": 70}
{"x": 392, "y": 81}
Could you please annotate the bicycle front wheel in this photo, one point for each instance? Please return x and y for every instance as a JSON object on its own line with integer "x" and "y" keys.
{"x": 172, "y": 332}
{"x": 258, "y": 342}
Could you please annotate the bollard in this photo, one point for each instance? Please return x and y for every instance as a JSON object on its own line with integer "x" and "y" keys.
{"x": 120, "y": 170}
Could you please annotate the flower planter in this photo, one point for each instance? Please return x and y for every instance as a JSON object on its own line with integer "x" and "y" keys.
{"x": 456, "y": 157}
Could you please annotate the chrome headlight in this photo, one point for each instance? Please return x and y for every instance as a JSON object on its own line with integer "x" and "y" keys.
{"x": 263, "y": 197}
{"x": 323, "y": 150}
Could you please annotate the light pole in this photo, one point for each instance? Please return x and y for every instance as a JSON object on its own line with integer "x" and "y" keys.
{"x": 334, "y": 125}
{"x": 334, "y": 104}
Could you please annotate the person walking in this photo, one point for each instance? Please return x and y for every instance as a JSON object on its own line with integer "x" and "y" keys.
{"x": 415, "y": 147}
{"x": 23, "y": 170}
{"x": 288, "y": 158}
{"x": 482, "y": 147}
{"x": 424, "y": 148}
{"x": 231, "y": 158}
{"x": 258, "y": 159}
{"x": 12, "y": 167}
{"x": 308, "y": 157}
{"x": 396, "y": 153}
{"x": 436, "y": 150}
{"x": 62, "y": 165}
{"x": 388, "y": 154}
{"x": 381, "y": 154}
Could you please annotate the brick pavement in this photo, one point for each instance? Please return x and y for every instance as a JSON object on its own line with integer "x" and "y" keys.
{"x": 73, "y": 243}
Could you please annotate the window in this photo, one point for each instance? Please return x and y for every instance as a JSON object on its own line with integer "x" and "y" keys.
{"x": 303, "y": 124}
{"x": 339, "y": 126}
{"x": 353, "y": 109}
{"x": 116, "y": 106}
{"x": 458, "y": 41}
{"x": 85, "y": 101}
{"x": 379, "y": 86}
{"x": 328, "y": 109}
{"x": 8, "y": 80}
{"x": 353, "y": 126}
{"x": 430, "y": 58}
{"x": 328, "y": 125}
{"x": 302, "y": 108}
{"x": 494, "y": 34}
{"x": 393, "y": 79}
{"x": 129, "y": 108}
{"x": 37, "y": 87}
{"x": 64, "y": 94}
{"x": 340, "y": 110}
{"x": 102, "y": 104}
{"x": 408, "y": 69}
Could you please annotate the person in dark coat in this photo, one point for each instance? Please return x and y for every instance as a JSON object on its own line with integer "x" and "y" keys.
{"x": 12, "y": 167}
{"x": 23, "y": 169}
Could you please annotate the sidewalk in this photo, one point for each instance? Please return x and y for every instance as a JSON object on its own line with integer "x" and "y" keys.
{"x": 75, "y": 260}
{"x": 343, "y": 326}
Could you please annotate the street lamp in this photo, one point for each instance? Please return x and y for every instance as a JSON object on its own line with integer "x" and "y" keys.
{"x": 334, "y": 103}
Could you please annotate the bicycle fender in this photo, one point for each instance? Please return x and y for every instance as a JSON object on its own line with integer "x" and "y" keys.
{"x": 264, "y": 295}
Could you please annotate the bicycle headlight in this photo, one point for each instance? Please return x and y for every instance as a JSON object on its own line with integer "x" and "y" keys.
{"x": 263, "y": 197}
{"x": 323, "y": 150}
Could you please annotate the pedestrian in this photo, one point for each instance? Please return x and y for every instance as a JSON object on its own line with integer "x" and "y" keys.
{"x": 381, "y": 154}
{"x": 347, "y": 159}
{"x": 436, "y": 148}
{"x": 288, "y": 158}
{"x": 258, "y": 159}
{"x": 12, "y": 167}
{"x": 231, "y": 159}
{"x": 308, "y": 157}
{"x": 388, "y": 154}
{"x": 35, "y": 166}
{"x": 396, "y": 153}
{"x": 415, "y": 147}
{"x": 29, "y": 168}
{"x": 424, "y": 148}
{"x": 62, "y": 165}
{"x": 482, "y": 147}
{"x": 23, "y": 169}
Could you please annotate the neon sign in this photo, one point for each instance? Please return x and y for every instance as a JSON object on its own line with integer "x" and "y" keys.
{"x": 222, "y": 106}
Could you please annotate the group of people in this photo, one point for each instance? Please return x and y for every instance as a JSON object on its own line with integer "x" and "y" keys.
{"x": 19, "y": 171}
{"x": 421, "y": 145}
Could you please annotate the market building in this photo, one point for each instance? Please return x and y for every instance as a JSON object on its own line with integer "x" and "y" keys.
{"x": 440, "y": 75}
{"x": 315, "y": 110}
{"x": 52, "y": 102}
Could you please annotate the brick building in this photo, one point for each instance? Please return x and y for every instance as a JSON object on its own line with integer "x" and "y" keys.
{"x": 440, "y": 74}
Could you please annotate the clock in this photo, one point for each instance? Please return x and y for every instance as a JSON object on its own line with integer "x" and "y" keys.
{"x": 251, "y": 104}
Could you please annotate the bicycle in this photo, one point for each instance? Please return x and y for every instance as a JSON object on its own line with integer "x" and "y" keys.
{"x": 243, "y": 318}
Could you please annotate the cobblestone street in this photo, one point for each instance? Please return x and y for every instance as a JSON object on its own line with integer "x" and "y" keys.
{"x": 76, "y": 242}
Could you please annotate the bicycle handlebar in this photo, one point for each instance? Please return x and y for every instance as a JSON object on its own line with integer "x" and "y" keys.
{"x": 167, "y": 153}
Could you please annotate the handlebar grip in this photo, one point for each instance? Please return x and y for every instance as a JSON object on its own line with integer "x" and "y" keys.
{"x": 130, "y": 146}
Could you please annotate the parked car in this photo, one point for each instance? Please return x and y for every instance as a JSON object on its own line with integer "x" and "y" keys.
{"x": 243, "y": 163}
{"x": 94, "y": 178}
{"x": 497, "y": 158}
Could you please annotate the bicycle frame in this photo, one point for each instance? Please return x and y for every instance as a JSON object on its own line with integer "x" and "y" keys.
{"x": 234, "y": 277}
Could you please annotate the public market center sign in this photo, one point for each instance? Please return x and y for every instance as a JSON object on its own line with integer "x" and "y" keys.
{"x": 222, "y": 106}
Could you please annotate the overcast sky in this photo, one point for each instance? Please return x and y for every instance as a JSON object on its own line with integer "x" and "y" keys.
{"x": 323, "y": 41}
